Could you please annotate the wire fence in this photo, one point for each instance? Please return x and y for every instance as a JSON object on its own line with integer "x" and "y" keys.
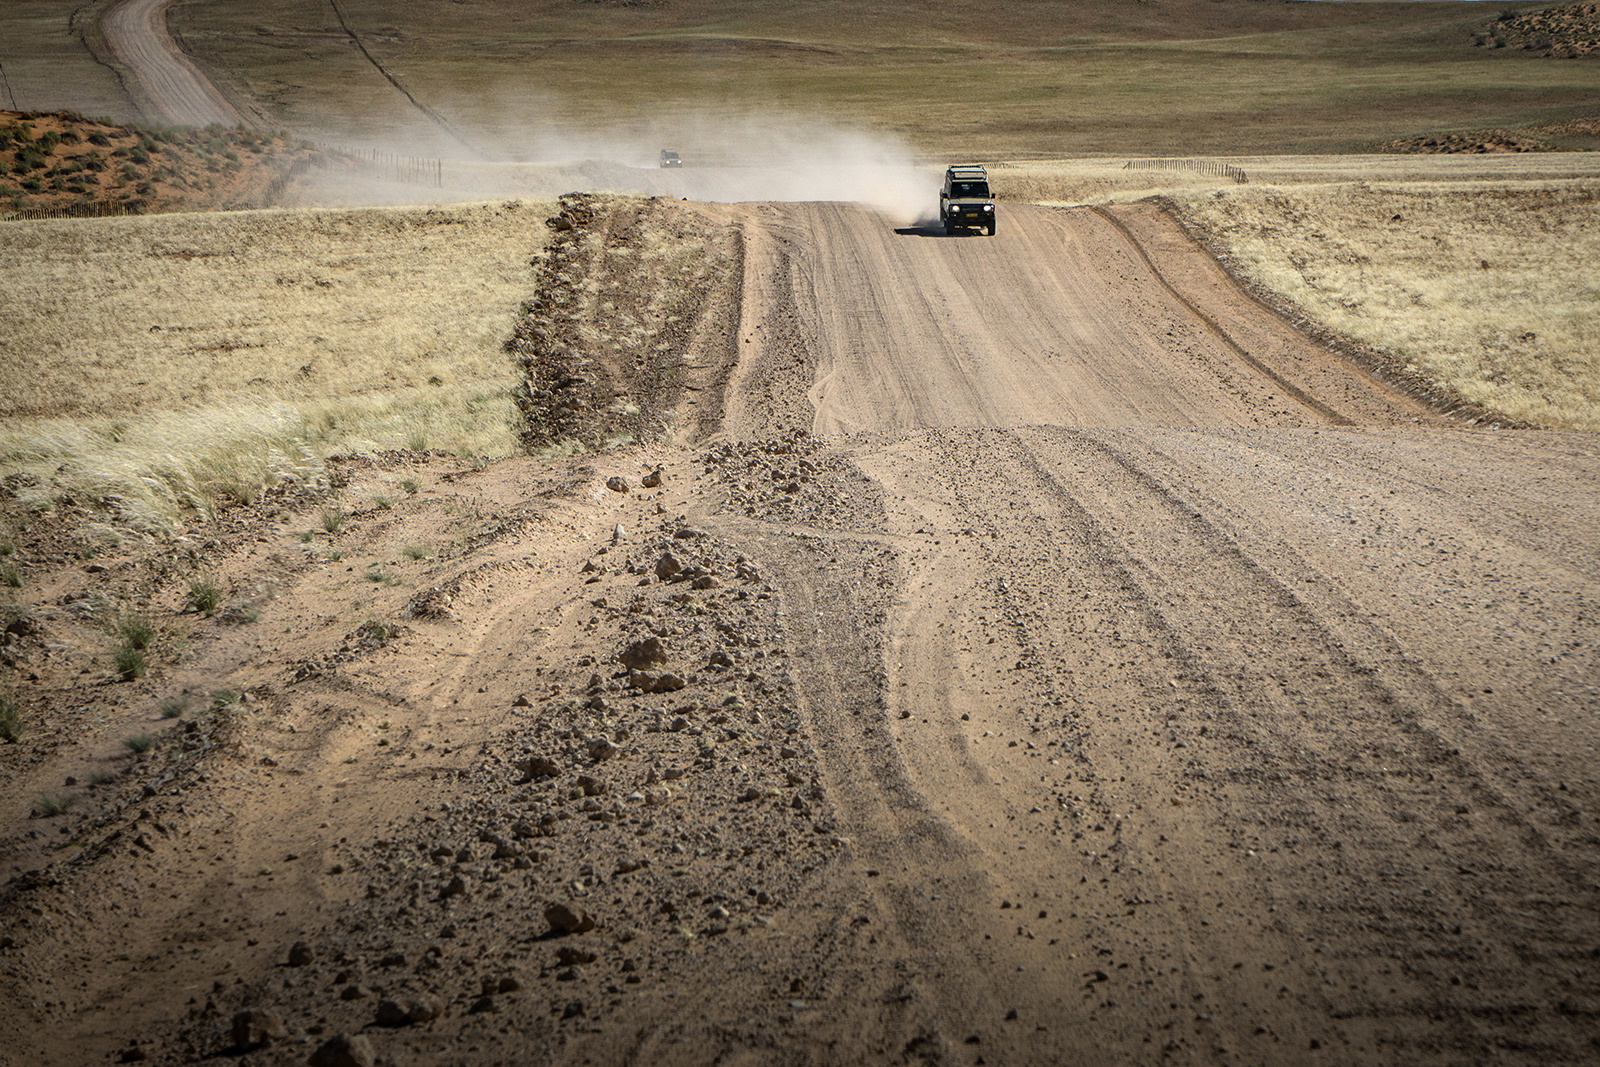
{"x": 413, "y": 170}
{"x": 99, "y": 209}
{"x": 1215, "y": 168}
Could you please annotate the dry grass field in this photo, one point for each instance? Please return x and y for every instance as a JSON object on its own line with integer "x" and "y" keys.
{"x": 1487, "y": 288}
{"x": 171, "y": 360}
{"x": 1059, "y": 79}
{"x": 1474, "y": 271}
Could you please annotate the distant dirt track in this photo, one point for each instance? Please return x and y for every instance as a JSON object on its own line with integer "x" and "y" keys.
{"x": 166, "y": 85}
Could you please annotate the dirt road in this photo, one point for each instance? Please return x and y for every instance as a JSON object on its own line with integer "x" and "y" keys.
{"x": 1069, "y": 663}
{"x": 165, "y": 85}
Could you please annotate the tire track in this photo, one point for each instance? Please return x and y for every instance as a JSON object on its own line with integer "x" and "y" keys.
{"x": 1216, "y": 329}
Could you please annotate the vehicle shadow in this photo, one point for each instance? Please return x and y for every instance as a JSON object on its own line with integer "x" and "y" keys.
{"x": 921, "y": 229}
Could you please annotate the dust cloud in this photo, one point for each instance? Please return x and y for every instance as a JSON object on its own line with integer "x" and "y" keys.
{"x": 747, "y": 158}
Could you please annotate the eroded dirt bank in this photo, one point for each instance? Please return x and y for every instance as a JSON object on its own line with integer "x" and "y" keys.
{"x": 1038, "y": 654}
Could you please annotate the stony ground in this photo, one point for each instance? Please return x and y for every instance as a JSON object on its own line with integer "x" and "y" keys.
{"x": 984, "y": 650}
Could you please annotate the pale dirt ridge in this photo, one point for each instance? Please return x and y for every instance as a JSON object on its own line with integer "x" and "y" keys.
{"x": 1059, "y": 659}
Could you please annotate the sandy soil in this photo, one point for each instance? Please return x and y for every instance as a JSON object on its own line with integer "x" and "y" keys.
{"x": 1058, "y": 660}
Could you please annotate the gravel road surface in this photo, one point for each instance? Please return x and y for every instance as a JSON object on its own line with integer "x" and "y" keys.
{"x": 1029, "y": 650}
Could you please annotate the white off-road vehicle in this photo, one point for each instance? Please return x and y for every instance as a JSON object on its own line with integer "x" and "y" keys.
{"x": 965, "y": 202}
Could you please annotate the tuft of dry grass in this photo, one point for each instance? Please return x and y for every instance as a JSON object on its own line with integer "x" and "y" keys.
{"x": 170, "y": 364}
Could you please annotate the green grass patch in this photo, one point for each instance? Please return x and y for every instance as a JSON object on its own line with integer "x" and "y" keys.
{"x": 10, "y": 721}
{"x": 205, "y": 595}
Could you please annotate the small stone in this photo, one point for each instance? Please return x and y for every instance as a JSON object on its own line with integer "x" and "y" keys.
{"x": 667, "y": 566}
{"x": 538, "y": 767}
{"x": 482, "y": 1004}
{"x": 573, "y": 1010}
{"x": 522, "y": 701}
{"x": 424, "y": 1009}
{"x": 617, "y": 484}
{"x": 353, "y": 991}
{"x": 564, "y": 919}
{"x": 705, "y": 581}
{"x": 601, "y": 748}
{"x": 569, "y": 955}
{"x": 591, "y": 786}
{"x": 456, "y": 887}
{"x": 652, "y": 480}
{"x": 342, "y": 1050}
{"x": 618, "y": 533}
{"x": 508, "y": 984}
{"x": 571, "y": 974}
{"x": 257, "y": 1026}
{"x": 390, "y": 1013}
{"x": 642, "y": 655}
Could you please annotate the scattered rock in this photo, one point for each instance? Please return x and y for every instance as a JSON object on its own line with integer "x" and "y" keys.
{"x": 422, "y": 1009}
{"x": 653, "y": 479}
{"x": 538, "y": 767}
{"x": 254, "y": 1027}
{"x": 642, "y": 655}
{"x": 300, "y": 954}
{"x": 617, "y": 484}
{"x": 591, "y": 786}
{"x": 342, "y": 1050}
{"x": 564, "y": 919}
{"x": 569, "y": 955}
{"x": 649, "y": 682}
{"x": 667, "y": 566}
{"x": 602, "y": 748}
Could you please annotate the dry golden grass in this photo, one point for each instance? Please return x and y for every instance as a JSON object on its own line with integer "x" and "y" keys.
{"x": 171, "y": 361}
{"x": 1477, "y": 272}
{"x": 1488, "y": 288}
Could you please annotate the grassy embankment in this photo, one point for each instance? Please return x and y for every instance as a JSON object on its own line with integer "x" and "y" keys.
{"x": 1475, "y": 271}
{"x": 176, "y": 362}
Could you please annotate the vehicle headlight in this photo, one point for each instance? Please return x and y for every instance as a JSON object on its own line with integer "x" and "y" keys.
{"x": 988, "y": 207}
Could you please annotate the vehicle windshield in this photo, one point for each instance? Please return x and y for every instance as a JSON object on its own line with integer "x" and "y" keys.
{"x": 969, "y": 189}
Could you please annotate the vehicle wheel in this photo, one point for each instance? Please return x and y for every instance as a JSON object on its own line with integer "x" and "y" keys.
{"x": 949, "y": 230}
{"x": 991, "y": 229}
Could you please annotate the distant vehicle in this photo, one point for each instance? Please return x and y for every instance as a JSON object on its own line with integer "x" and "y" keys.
{"x": 669, "y": 158}
{"x": 965, "y": 202}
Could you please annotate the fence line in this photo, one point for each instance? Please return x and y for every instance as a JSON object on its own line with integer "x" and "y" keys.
{"x": 413, "y": 170}
{"x": 99, "y": 209}
{"x": 1199, "y": 166}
